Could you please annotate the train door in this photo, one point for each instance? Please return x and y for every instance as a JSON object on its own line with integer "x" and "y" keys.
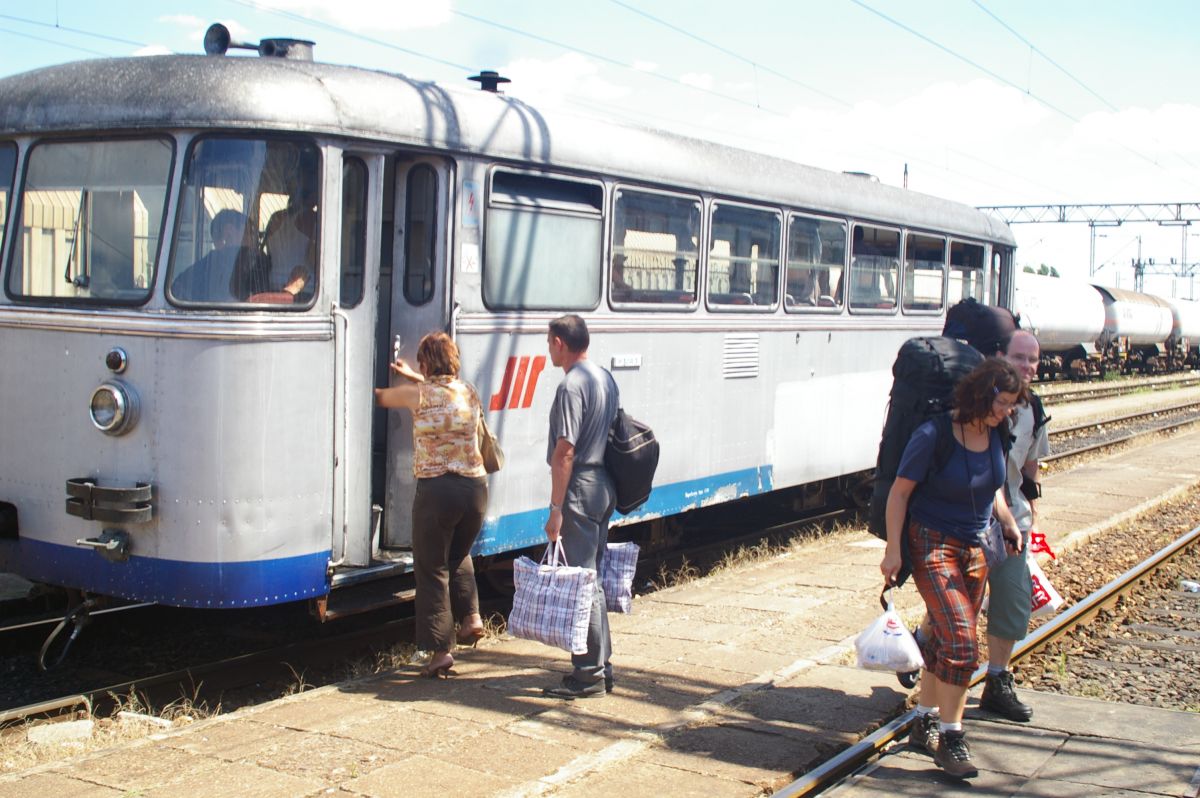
{"x": 354, "y": 319}
{"x": 419, "y": 304}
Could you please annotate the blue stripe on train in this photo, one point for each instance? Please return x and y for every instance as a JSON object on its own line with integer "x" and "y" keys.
{"x": 274, "y": 581}
{"x": 520, "y": 530}
{"x": 174, "y": 582}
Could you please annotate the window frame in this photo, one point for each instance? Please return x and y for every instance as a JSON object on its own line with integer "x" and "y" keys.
{"x": 852, "y": 270}
{"x": 322, "y": 211}
{"x": 17, "y": 210}
{"x": 986, "y": 280}
{"x": 831, "y": 310}
{"x": 662, "y": 306}
{"x": 432, "y": 239}
{"x": 360, "y": 161}
{"x": 720, "y": 307}
{"x": 493, "y": 201}
{"x": 904, "y": 271}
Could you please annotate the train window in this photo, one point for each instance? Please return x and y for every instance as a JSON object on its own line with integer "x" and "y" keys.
{"x": 420, "y": 225}
{"x": 966, "y": 272}
{"x": 92, "y": 218}
{"x": 924, "y": 273}
{"x": 655, "y": 249}
{"x": 354, "y": 230}
{"x": 8, "y": 164}
{"x": 874, "y": 268}
{"x": 247, "y": 231}
{"x": 743, "y": 257}
{"x": 815, "y": 261}
{"x": 542, "y": 249}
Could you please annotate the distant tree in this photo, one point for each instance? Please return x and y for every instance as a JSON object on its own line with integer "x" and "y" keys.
{"x": 1043, "y": 269}
{"x": 1053, "y": 272}
{"x": 1029, "y": 270}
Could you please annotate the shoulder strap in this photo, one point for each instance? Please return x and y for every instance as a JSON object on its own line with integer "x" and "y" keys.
{"x": 1040, "y": 419}
{"x": 943, "y": 446}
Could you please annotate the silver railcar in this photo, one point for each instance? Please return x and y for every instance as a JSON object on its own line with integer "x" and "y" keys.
{"x": 212, "y": 442}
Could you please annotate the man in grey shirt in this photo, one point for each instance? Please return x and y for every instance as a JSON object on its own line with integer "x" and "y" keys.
{"x": 582, "y": 498}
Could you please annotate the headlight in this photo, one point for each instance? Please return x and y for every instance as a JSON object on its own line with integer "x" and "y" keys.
{"x": 113, "y": 408}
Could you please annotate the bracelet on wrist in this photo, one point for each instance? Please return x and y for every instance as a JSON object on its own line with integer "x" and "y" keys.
{"x": 554, "y": 506}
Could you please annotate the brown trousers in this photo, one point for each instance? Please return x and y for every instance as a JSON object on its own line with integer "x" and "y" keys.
{"x": 447, "y": 515}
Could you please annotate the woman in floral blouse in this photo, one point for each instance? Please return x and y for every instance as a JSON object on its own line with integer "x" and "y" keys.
{"x": 451, "y": 497}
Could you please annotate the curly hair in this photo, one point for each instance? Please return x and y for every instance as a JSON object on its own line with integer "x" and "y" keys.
{"x": 976, "y": 392}
{"x": 437, "y": 355}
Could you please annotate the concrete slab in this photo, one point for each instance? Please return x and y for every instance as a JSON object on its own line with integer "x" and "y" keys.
{"x": 1085, "y": 716}
{"x": 665, "y": 782}
{"x": 55, "y": 785}
{"x": 749, "y": 754}
{"x": 1061, "y": 754}
{"x": 1118, "y": 764}
{"x": 423, "y": 775}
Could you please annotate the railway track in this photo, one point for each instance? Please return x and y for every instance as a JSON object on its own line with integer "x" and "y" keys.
{"x": 1070, "y": 619}
{"x": 1117, "y": 388}
{"x": 1093, "y": 436}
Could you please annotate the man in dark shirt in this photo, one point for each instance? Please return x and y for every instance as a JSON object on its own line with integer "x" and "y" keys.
{"x": 582, "y": 498}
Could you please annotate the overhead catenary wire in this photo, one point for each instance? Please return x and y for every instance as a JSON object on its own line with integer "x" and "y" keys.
{"x": 1046, "y": 103}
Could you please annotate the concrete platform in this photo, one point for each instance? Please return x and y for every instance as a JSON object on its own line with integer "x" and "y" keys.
{"x": 725, "y": 687}
{"x": 1074, "y": 748}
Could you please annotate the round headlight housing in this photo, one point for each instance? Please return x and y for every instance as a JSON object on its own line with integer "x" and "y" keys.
{"x": 113, "y": 408}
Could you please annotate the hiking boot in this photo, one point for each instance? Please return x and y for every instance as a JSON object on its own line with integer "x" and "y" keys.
{"x": 953, "y": 756}
{"x": 1000, "y": 698}
{"x": 924, "y": 732}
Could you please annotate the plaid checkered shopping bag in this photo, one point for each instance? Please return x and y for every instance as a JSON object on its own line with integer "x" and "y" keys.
{"x": 616, "y": 576}
{"x": 553, "y": 602}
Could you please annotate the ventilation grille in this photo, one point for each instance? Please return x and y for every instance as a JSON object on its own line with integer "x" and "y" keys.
{"x": 741, "y": 356}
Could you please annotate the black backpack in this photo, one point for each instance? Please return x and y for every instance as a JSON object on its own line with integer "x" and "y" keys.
{"x": 631, "y": 458}
{"x": 924, "y": 375}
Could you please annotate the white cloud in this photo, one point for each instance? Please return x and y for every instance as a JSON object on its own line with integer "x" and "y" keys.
{"x": 371, "y": 15}
{"x": 152, "y": 49}
{"x": 570, "y": 75}
{"x": 701, "y": 80}
{"x": 645, "y": 66}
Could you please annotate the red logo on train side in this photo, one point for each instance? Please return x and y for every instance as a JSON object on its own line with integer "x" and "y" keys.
{"x": 520, "y": 374}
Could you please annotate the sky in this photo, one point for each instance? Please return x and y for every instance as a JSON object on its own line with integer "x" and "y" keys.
{"x": 987, "y": 102}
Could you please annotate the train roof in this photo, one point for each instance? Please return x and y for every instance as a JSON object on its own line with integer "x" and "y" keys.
{"x": 186, "y": 91}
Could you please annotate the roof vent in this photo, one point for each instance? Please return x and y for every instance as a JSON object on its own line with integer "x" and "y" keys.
{"x": 489, "y": 80}
{"x": 863, "y": 175}
{"x": 217, "y": 40}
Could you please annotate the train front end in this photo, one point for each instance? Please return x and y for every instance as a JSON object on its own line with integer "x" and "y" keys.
{"x": 168, "y": 433}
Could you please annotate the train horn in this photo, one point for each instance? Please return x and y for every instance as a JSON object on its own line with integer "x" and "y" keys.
{"x": 217, "y": 40}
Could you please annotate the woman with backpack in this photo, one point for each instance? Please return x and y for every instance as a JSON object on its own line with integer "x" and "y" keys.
{"x": 939, "y": 507}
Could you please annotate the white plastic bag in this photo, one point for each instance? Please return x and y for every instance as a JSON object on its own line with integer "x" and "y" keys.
{"x": 1046, "y": 600}
{"x": 886, "y": 645}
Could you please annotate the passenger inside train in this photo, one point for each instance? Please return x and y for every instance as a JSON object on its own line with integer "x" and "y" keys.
{"x": 231, "y": 271}
{"x": 291, "y": 237}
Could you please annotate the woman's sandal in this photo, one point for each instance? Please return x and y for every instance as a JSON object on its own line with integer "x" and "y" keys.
{"x": 469, "y": 635}
{"x": 438, "y": 667}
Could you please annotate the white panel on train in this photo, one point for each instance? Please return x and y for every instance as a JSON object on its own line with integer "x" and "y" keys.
{"x": 1063, "y": 314}
{"x": 1142, "y": 319}
{"x": 1186, "y": 320}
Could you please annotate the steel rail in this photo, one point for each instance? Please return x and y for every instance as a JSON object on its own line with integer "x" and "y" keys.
{"x": 853, "y": 758}
{"x": 1082, "y": 395}
{"x": 1116, "y": 441}
{"x": 1126, "y": 418}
